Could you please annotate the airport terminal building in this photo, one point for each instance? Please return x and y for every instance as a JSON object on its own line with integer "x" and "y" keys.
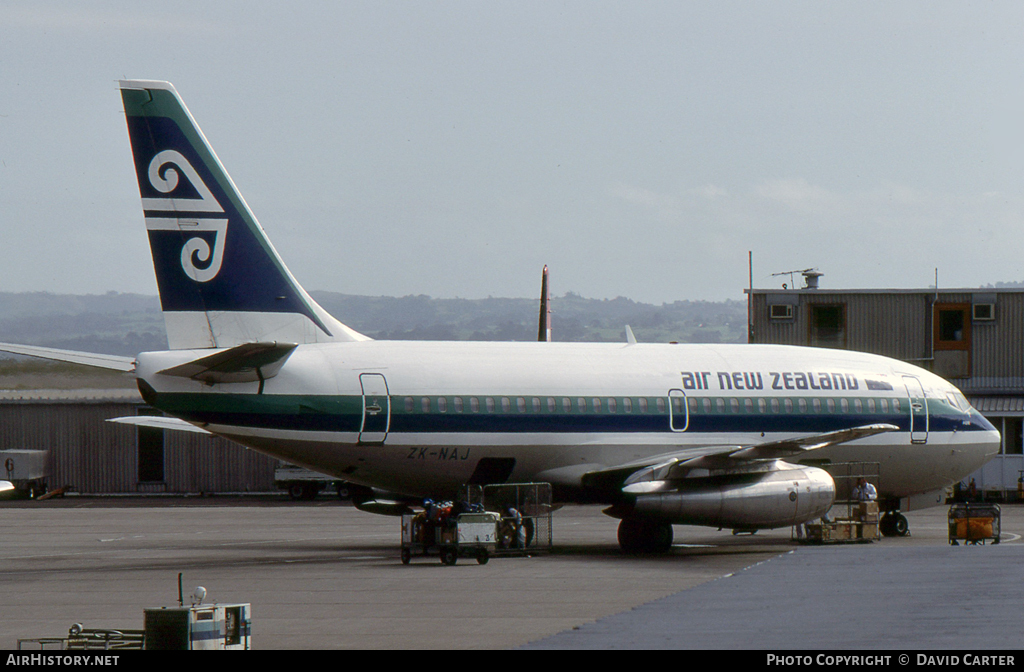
{"x": 972, "y": 337}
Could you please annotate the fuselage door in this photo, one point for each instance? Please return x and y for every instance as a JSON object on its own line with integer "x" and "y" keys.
{"x": 918, "y": 410}
{"x": 376, "y": 408}
{"x": 678, "y": 412}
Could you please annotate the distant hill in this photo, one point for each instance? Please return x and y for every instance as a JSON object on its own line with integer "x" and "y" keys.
{"x": 574, "y": 318}
{"x": 126, "y": 324}
{"x": 111, "y": 323}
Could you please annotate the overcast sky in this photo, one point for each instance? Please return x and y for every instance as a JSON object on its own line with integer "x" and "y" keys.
{"x": 454, "y": 148}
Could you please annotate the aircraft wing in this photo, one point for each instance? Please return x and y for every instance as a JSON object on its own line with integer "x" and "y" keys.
{"x": 641, "y": 475}
{"x": 112, "y": 362}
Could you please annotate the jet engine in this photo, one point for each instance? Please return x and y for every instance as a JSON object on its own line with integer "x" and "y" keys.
{"x": 784, "y": 495}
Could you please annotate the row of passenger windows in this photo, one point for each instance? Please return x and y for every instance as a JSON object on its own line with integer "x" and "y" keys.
{"x": 655, "y": 404}
{"x": 536, "y": 405}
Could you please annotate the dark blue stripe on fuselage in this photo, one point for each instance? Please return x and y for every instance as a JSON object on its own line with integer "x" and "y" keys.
{"x": 512, "y": 423}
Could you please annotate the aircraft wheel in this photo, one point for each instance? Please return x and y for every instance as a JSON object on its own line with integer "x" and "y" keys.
{"x": 406, "y": 556}
{"x": 644, "y": 536}
{"x": 900, "y": 525}
{"x": 885, "y": 525}
{"x": 482, "y": 557}
{"x": 449, "y": 556}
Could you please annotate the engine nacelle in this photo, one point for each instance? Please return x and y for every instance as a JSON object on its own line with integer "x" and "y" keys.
{"x": 786, "y": 495}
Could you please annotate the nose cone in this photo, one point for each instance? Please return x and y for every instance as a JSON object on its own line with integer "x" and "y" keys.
{"x": 985, "y": 440}
{"x": 979, "y": 420}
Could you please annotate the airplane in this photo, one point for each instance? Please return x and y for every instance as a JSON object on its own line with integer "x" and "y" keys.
{"x": 725, "y": 436}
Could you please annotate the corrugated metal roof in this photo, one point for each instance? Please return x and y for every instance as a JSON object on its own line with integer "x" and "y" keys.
{"x": 1000, "y": 404}
{"x": 86, "y": 396}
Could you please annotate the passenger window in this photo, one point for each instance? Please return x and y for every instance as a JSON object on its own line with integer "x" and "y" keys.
{"x": 536, "y": 405}
{"x": 474, "y": 404}
{"x": 612, "y": 406}
{"x": 506, "y": 404}
{"x": 660, "y": 402}
{"x": 566, "y": 405}
{"x": 734, "y": 405}
{"x": 883, "y": 405}
{"x": 831, "y": 405}
{"x": 802, "y": 403}
{"x": 707, "y": 405}
{"x": 816, "y": 403}
{"x": 581, "y": 404}
{"x": 642, "y": 403}
{"x": 748, "y": 405}
{"x": 442, "y": 404}
{"x": 627, "y": 405}
{"x": 895, "y": 405}
{"x": 761, "y": 405}
{"x": 720, "y": 405}
{"x": 857, "y": 406}
{"x": 871, "y": 405}
{"x": 551, "y": 404}
{"x": 789, "y": 405}
{"x": 410, "y": 405}
{"x": 775, "y": 406}
{"x": 521, "y": 404}
{"x": 597, "y": 405}
{"x": 844, "y": 405}
{"x": 677, "y": 405}
{"x": 489, "y": 403}
{"x": 457, "y": 401}
{"x": 425, "y": 404}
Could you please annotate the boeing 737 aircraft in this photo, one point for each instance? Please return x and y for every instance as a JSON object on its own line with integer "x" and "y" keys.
{"x": 664, "y": 434}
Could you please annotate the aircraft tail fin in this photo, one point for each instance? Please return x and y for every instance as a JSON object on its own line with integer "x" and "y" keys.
{"x": 221, "y": 282}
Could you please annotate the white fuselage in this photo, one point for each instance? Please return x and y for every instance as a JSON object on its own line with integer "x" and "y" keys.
{"x": 418, "y": 417}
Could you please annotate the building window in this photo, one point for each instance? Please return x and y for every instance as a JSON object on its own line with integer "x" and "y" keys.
{"x": 1012, "y": 436}
{"x": 828, "y": 326}
{"x": 952, "y": 326}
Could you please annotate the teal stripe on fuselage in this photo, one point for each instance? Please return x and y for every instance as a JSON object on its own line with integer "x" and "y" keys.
{"x": 344, "y": 414}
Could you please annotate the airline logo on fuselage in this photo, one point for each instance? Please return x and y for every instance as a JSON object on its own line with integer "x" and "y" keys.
{"x": 778, "y": 380}
{"x": 201, "y": 255}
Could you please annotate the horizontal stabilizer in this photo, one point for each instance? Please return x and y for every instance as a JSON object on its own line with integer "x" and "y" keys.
{"x": 112, "y": 362}
{"x": 246, "y": 363}
{"x": 157, "y": 422}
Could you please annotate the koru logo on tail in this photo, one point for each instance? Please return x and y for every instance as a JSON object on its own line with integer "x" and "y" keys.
{"x": 199, "y": 261}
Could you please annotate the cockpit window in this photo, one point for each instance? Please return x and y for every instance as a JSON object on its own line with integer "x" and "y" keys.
{"x": 959, "y": 400}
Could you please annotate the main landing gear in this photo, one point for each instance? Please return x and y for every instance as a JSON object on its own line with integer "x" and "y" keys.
{"x": 637, "y": 536}
{"x": 894, "y": 524}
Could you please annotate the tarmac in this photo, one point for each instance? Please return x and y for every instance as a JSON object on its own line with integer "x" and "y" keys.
{"x": 323, "y": 575}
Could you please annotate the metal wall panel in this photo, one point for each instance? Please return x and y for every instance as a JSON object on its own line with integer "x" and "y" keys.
{"x": 898, "y": 324}
{"x": 99, "y": 457}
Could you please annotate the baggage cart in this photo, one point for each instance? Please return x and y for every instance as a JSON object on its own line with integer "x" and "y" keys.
{"x": 449, "y": 537}
{"x": 974, "y": 522}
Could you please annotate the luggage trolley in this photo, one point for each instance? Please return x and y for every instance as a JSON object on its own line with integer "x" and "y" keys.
{"x": 449, "y": 535}
{"x": 974, "y": 522}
